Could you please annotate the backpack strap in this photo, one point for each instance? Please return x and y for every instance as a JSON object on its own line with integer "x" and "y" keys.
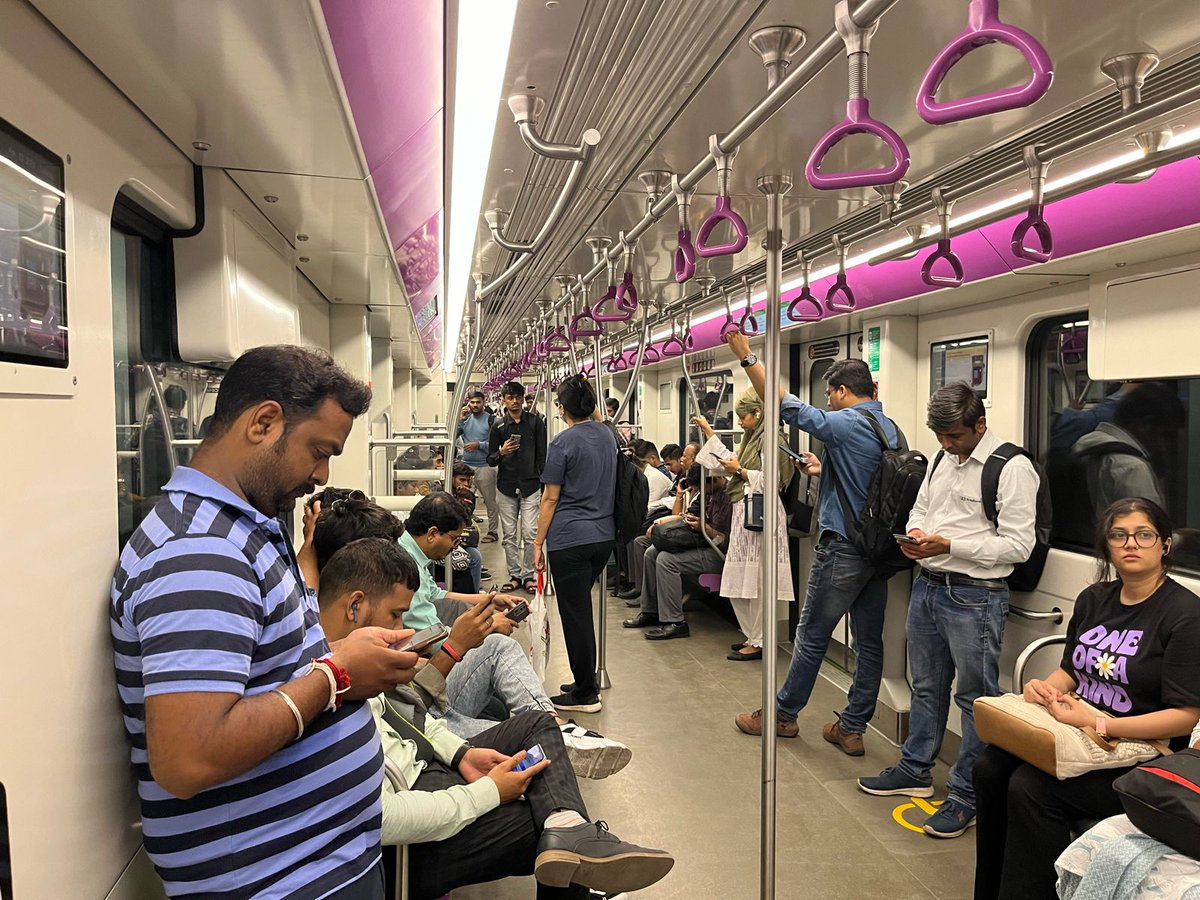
{"x": 852, "y": 523}
{"x": 990, "y": 480}
{"x": 901, "y": 442}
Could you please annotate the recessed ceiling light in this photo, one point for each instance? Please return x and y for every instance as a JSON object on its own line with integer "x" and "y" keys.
{"x": 1120, "y": 265}
{"x": 1053, "y": 283}
{"x": 304, "y": 259}
{"x": 271, "y": 198}
{"x": 302, "y": 237}
{"x": 508, "y": 171}
{"x": 531, "y": 87}
{"x": 551, "y": 4}
{"x": 201, "y": 145}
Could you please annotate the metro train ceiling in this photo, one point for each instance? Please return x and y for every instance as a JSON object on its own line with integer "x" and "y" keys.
{"x": 253, "y": 80}
{"x": 657, "y": 78}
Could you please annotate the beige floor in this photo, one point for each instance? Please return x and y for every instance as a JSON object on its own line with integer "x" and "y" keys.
{"x": 693, "y": 784}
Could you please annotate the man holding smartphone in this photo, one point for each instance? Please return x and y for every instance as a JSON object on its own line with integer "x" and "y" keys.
{"x": 518, "y": 451}
{"x": 854, "y": 451}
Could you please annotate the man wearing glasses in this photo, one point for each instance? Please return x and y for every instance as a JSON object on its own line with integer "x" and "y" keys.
{"x": 959, "y": 599}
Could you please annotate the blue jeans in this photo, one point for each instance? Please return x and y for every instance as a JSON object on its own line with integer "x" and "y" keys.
{"x": 498, "y": 667}
{"x": 476, "y": 569}
{"x": 951, "y": 629}
{"x": 841, "y": 582}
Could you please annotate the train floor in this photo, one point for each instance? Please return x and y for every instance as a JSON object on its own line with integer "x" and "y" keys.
{"x": 693, "y": 784}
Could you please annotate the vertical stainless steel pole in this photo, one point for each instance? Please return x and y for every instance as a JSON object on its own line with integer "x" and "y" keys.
{"x": 602, "y": 680}
{"x": 774, "y": 186}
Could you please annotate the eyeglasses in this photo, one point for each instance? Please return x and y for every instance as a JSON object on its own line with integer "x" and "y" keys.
{"x": 1143, "y": 538}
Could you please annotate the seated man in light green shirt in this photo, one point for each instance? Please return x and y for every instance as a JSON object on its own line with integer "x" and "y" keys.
{"x": 453, "y": 801}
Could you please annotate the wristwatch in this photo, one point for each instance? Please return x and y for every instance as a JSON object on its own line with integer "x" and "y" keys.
{"x": 749, "y": 360}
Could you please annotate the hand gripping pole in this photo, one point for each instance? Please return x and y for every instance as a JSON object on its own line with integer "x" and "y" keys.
{"x": 731, "y": 324}
{"x": 1035, "y": 219}
{"x": 858, "y": 117}
{"x": 839, "y": 297}
{"x": 723, "y": 211}
{"x": 984, "y": 27}
{"x": 942, "y": 252}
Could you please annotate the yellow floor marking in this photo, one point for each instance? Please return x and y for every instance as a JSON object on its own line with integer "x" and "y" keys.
{"x": 927, "y": 807}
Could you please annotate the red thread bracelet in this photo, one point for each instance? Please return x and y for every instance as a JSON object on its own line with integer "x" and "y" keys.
{"x": 340, "y": 676}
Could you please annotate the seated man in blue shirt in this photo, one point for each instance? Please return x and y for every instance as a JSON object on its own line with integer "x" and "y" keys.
{"x": 853, "y": 450}
{"x": 479, "y": 659}
{"x": 452, "y": 799}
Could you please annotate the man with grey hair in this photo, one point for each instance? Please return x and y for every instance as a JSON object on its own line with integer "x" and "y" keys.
{"x": 842, "y": 582}
{"x": 959, "y": 598}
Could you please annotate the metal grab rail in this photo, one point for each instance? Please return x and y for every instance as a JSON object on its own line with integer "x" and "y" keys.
{"x": 1027, "y": 654}
{"x": 695, "y": 403}
{"x": 637, "y": 365}
{"x": 1055, "y": 615}
{"x": 984, "y": 27}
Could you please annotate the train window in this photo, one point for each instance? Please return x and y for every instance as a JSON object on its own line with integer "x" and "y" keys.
{"x": 162, "y": 406}
{"x": 714, "y": 398}
{"x": 962, "y": 359}
{"x": 1100, "y": 441}
{"x": 33, "y": 253}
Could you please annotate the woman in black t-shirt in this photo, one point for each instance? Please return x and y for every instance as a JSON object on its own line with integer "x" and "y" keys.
{"x": 1133, "y": 652}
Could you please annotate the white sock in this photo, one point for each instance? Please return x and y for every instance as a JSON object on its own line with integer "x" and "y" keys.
{"x": 564, "y": 818}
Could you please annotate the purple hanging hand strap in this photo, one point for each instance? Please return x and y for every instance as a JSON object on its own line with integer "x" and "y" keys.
{"x": 942, "y": 252}
{"x": 626, "y": 295}
{"x": 984, "y": 27}
{"x": 685, "y": 257}
{"x": 839, "y": 297}
{"x": 1035, "y": 218}
{"x": 796, "y": 314}
{"x": 721, "y": 213}
{"x": 650, "y": 356}
{"x": 622, "y": 315}
{"x": 584, "y": 325}
{"x": 557, "y": 342}
{"x": 672, "y": 347}
{"x": 858, "y": 121}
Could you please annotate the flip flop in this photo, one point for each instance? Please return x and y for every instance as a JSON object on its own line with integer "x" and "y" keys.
{"x": 530, "y": 586}
{"x": 509, "y": 586}
{"x": 490, "y": 538}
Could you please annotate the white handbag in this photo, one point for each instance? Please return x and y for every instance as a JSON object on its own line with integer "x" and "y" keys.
{"x": 1029, "y": 732}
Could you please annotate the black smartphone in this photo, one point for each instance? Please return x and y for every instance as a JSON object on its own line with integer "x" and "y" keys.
{"x": 423, "y": 639}
{"x": 518, "y": 613}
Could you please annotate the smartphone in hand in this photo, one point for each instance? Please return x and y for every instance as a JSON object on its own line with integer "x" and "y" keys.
{"x": 533, "y": 756}
{"x": 423, "y": 639}
{"x": 906, "y": 539}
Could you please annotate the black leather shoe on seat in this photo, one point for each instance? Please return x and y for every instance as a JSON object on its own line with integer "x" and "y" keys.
{"x": 667, "y": 631}
{"x": 590, "y": 855}
{"x": 641, "y": 620}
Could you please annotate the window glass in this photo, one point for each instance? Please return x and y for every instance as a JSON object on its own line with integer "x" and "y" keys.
{"x": 714, "y": 398}
{"x": 1102, "y": 441}
{"x": 33, "y": 253}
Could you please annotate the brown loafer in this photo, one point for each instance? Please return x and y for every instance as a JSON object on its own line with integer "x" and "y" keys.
{"x": 849, "y": 742}
{"x": 751, "y": 723}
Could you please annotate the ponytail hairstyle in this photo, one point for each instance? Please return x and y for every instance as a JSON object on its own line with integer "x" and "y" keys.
{"x": 577, "y": 397}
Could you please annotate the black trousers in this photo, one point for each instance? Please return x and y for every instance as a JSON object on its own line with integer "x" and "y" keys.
{"x": 1025, "y": 822}
{"x": 503, "y": 842}
{"x": 575, "y": 570}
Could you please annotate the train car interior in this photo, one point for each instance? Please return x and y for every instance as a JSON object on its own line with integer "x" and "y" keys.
{"x": 449, "y": 197}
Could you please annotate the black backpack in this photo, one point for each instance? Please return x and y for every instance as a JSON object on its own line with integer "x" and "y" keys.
{"x": 630, "y": 500}
{"x": 1025, "y": 575}
{"x": 1162, "y": 798}
{"x": 890, "y": 498}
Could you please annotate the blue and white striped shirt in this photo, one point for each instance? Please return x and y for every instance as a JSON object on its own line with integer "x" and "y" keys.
{"x": 207, "y": 597}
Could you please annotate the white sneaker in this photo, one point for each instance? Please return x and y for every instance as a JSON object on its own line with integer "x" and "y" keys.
{"x": 593, "y": 755}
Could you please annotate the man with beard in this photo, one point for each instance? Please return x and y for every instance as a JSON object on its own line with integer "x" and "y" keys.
{"x": 258, "y": 762}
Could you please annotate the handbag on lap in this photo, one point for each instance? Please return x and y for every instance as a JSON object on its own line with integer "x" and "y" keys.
{"x": 676, "y": 537}
{"x": 1029, "y": 732}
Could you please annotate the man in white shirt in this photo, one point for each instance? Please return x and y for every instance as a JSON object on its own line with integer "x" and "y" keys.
{"x": 959, "y": 599}
{"x": 646, "y": 455}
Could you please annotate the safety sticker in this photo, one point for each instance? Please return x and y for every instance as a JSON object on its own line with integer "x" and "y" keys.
{"x": 926, "y": 808}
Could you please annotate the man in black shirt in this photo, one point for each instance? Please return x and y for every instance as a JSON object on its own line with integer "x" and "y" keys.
{"x": 518, "y": 451}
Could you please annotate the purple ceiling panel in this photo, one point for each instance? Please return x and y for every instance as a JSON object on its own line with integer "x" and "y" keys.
{"x": 409, "y": 182}
{"x": 391, "y": 56}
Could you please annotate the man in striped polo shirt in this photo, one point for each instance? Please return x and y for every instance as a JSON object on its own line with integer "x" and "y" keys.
{"x": 258, "y": 764}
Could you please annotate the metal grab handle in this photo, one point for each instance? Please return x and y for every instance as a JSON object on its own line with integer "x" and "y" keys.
{"x": 1035, "y": 219}
{"x": 749, "y": 323}
{"x": 729, "y": 327}
{"x": 557, "y": 341}
{"x": 723, "y": 211}
{"x": 626, "y": 296}
{"x": 858, "y": 121}
{"x": 943, "y": 251}
{"x": 1018, "y": 682}
{"x": 984, "y": 27}
{"x": 794, "y": 313}
{"x": 622, "y": 315}
{"x": 579, "y": 327}
{"x": 685, "y": 258}
{"x": 1055, "y": 615}
{"x": 841, "y": 287}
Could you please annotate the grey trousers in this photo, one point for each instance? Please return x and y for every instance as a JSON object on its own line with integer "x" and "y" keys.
{"x": 485, "y": 481}
{"x": 519, "y": 518}
{"x": 636, "y": 552}
{"x": 662, "y": 581}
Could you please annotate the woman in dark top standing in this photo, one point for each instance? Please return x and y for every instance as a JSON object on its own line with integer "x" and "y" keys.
{"x": 576, "y": 531}
{"x": 1133, "y": 651}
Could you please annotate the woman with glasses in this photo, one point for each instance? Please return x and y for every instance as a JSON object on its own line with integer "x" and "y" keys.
{"x": 1133, "y": 653}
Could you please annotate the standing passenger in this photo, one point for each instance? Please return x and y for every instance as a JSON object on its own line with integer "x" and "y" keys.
{"x": 841, "y": 582}
{"x": 959, "y": 599}
{"x": 475, "y": 431}
{"x": 255, "y": 778}
{"x": 577, "y": 529}
{"x": 518, "y": 450}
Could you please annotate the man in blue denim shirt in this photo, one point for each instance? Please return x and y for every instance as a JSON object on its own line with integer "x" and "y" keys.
{"x": 475, "y": 429}
{"x": 959, "y": 599}
{"x": 841, "y": 581}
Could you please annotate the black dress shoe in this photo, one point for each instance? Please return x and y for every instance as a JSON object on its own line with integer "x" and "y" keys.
{"x": 631, "y": 593}
{"x": 641, "y": 620}
{"x": 591, "y": 856}
{"x": 669, "y": 630}
{"x": 738, "y": 656}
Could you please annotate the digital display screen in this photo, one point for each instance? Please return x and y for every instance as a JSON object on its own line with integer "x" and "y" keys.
{"x": 33, "y": 253}
{"x": 962, "y": 359}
